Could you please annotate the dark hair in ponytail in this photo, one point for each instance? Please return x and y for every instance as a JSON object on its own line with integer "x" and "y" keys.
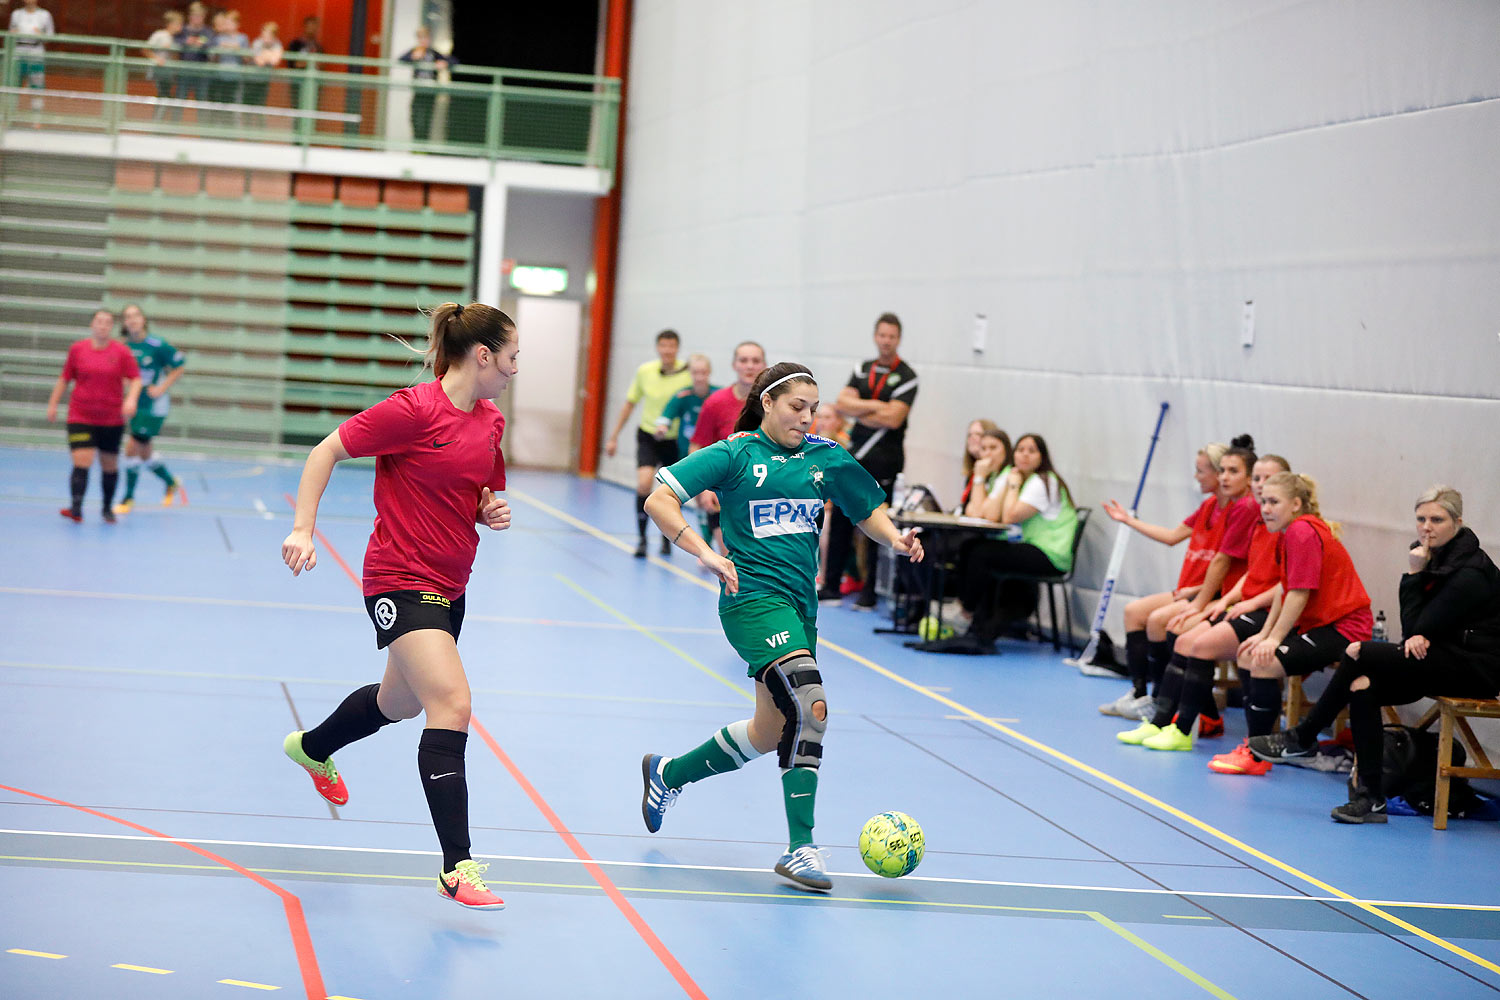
{"x": 753, "y": 412}
{"x": 456, "y": 329}
{"x": 1243, "y": 447}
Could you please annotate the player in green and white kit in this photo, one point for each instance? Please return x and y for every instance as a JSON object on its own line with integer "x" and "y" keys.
{"x": 161, "y": 365}
{"x": 773, "y": 479}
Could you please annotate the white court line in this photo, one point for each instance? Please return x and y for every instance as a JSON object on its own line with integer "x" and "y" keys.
{"x": 756, "y": 871}
{"x": 235, "y": 602}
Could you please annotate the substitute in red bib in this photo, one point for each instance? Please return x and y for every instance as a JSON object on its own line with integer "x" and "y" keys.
{"x": 106, "y": 385}
{"x": 438, "y": 466}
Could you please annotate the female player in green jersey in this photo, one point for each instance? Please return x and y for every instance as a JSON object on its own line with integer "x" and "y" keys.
{"x": 773, "y": 479}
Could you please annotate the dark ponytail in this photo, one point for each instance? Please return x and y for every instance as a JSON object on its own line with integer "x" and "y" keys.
{"x": 1243, "y": 447}
{"x": 753, "y": 412}
{"x": 456, "y": 329}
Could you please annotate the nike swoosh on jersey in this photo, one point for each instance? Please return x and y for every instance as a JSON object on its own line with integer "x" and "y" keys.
{"x": 441, "y": 444}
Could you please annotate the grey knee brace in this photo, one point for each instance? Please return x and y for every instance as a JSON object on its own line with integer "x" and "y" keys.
{"x": 796, "y": 686}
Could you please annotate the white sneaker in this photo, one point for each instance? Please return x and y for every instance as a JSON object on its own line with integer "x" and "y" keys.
{"x": 1096, "y": 670}
{"x": 1128, "y": 706}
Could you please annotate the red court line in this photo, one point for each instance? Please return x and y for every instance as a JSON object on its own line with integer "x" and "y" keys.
{"x": 323, "y": 540}
{"x": 621, "y": 903}
{"x": 307, "y": 961}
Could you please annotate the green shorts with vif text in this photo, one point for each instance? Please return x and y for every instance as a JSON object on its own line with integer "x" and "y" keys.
{"x": 763, "y": 628}
{"x": 145, "y": 425}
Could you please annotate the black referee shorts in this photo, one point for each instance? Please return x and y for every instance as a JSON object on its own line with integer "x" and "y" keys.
{"x": 649, "y": 451}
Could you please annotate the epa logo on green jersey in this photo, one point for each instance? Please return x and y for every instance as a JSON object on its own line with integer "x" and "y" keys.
{"x": 784, "y": 517}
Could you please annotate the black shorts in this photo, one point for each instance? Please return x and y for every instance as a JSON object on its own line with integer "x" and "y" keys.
{"x": 397, "y": 612}
{"x": 649, "y": 451}
{"x": 1308, "y": 652}
{"x": 1248, "y": 624}
{"x": 102, "y": 436}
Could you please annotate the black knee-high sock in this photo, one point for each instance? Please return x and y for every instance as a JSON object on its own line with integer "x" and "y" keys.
{"x": 1135, "y": 661}
{"x": 1158, "y": 654}
{"x": 1169, "y": 690}
{"x": 1262, "y": 705}
{"x": 78, "y": 484}
{"x": 1333, "y": 699}
{"x": 640, "y": 516}
{"x": 1197, "y": 690}
{"x": 109, "y": 480}
{"x": 356, "y": 717}
{"x": 1369, "y": 740}
{"x": 440, "y": 757}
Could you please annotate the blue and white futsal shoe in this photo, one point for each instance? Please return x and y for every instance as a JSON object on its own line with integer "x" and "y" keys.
{"x": 805, "y": 868}
{"x": 656, "y": 798}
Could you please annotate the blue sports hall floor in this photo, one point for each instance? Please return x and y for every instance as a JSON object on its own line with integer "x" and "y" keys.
{"x": 155, "y": 843}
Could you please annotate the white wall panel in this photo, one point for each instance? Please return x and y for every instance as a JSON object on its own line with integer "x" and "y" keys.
{"x": 1107, "y": 183}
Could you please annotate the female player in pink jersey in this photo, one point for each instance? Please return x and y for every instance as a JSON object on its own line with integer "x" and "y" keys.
{"x": 106, "y": 385}
{"x": 438, "y": 465}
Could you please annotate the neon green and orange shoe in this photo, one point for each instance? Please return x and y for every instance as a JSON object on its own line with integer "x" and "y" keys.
{"x": 464, "y": 886}
{"x": 125, "y": 506}
{"x": 324, "y": 775}
{"x": 174, "y": 492}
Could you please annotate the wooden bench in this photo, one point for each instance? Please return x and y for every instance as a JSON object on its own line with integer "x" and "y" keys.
{"x": 1454, "y": 712}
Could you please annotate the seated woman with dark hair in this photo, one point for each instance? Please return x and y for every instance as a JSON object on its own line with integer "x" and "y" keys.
{"x": 1450, "y": 618}
{"x": 982, "y": 464}
{"x": 1033, "y": 496}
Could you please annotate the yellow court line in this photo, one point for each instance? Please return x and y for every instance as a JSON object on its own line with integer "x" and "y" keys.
{"x": 1183, "y": 916}
{"x": 142, "y": 968}
{"x": 247, "y": 985}
{"x": 1094, "y": 772}
{"x": 643, "y": 630}
{"x": 1163, "y": 957}
{"x": 33, "y": 954}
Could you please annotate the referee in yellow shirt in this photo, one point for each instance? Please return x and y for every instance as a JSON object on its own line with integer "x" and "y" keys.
{"x": 654, "y": 384}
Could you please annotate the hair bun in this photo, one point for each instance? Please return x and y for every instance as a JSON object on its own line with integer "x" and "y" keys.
{"x": 1243, "y": 441}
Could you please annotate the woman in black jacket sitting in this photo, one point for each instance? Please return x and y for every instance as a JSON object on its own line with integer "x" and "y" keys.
{"x": 1450, "y": 616}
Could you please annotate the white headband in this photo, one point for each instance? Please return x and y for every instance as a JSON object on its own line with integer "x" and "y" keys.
{"x": 788, "y": 378}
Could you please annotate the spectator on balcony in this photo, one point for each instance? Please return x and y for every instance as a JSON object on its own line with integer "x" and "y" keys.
{"x": 230, "y": 44}
{"x": 193, "y": 44}
{"x": 31, "y": 20}
{"x": 307, "y": 44}
{"x": 425, "y": 63}
{"x": 265, "y": 56}
{"x": 159, "y": 49}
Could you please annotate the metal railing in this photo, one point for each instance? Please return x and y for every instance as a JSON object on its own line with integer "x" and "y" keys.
{"x": 108, "y": 86}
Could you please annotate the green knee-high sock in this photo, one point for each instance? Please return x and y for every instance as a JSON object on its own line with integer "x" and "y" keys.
{"x": 799, "y": 789}
{"x": 132, "y": 476}
{"x": 727, "y": 750}
{"x": 161, "y": 470}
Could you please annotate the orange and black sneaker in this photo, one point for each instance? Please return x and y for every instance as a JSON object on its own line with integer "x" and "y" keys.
{"x": 76, "y": 516}
{"x": 1210, "y": 728}
{"x": 325, "y": 776}
{"x": 464, "y": 886}
{"x": 175, "y": 492}
{"x": 1238, "y": 761}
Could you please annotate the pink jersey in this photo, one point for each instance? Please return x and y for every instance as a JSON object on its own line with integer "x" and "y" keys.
{"x": 434, "y": 462}
{"x": 98, "y": 379}
{"x": 716, "y": 419}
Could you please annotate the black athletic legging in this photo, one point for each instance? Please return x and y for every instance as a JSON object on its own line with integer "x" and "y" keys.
{"x": 1395, "y": 679}
{"x": 996, "y": 603}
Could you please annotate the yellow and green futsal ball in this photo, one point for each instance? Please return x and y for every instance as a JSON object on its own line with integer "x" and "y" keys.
{"x": 891, "y": 844}
{"x": 928, "y": 629}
